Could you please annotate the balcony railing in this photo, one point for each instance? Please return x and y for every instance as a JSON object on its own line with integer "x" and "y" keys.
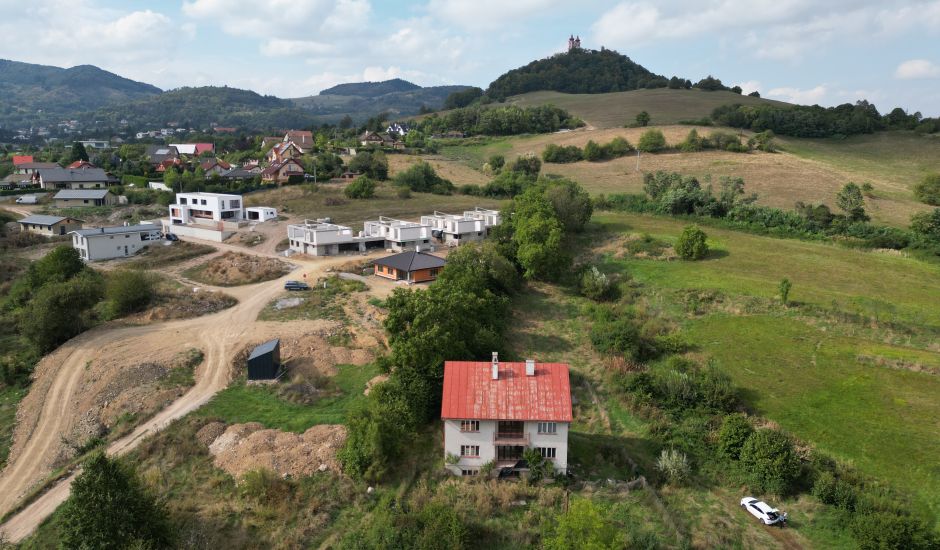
{"x": 511, "y": 438}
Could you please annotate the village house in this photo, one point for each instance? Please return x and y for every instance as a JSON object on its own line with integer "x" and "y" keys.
{"x": 65, "y": 178}
{"x": 49, "y": 225}
{"x": 157, "y": 154}
{"x": 281, "y": 172}
{"x": 70, "y": 198}
{"x": 370, "y": 138}
{"x": 31, "y": 168}
{"x": 268, "y": 141}
{"x": 193, "y": 149}
{"x": 214, "y": 166}
{"x": 206, "y": 208}
{"x": 260, "y": 213}
{"x": 104, "y": 243}
{"x": 411, "y": 267}
{"x": 243, "y": 173}
{"x": 494, "y": 411}
{"x": 282, "y": 151}
{"x": 399, "y": 235}
{"x": 301, "y": 138}
{"x": 80, "y": 165}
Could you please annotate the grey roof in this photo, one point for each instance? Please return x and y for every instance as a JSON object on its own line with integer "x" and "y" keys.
{"x": 37, "y": 165}
{"x": 81, "y": 194}
{"x": 265, "y": 348}
{"x": 41, "y": 219}
{"x": 67, "y": 175}
{"x": 237, "y": 173}
{"x": 117, "y": 229}
{"x": 411, "y": 261}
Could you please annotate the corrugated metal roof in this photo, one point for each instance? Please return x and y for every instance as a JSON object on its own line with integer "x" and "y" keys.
{"x": 81, "y": 194}
{"x": 264, "y": 348}
{"x": 471, "y": 393}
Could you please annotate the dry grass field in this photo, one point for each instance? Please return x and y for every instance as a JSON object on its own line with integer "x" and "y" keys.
{"x": 614, "y": 110}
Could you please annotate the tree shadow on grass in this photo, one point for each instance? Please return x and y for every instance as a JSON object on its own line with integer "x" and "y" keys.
{"x": 715, "y": 254}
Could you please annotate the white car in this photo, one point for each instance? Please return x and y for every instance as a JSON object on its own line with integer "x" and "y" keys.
{"x": 763, "y": 511}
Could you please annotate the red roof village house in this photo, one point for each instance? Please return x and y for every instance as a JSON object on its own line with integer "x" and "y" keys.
{"x": 79, "y": 164}
{"x": 282, "y": 151}
{"x": 493, "y": 411}
{"x": 280, "y": 172}
{"x": 21, "y": 159}
{"x": 301, "y": 138}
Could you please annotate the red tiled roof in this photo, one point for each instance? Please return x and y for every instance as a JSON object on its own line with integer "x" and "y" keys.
{"x": 20, "y": 159}
{"x": 471, "y": 393}
{"x": 80, "y": 164}
{"x": 203, "y": 147}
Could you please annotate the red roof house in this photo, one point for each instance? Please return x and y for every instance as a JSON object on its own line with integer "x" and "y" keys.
{"x": 21, "y": 159}
{"x": 79, "y": 164}
{"x": 493, "y": 411}
{"x": 203, "y": 147}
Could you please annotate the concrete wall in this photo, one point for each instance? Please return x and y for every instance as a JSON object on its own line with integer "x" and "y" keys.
{"x": 454, "y": 438}
{"x": 196, "y": 232}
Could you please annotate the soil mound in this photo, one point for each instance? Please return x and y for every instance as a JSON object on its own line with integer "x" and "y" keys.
{"x": 246, "y": 447}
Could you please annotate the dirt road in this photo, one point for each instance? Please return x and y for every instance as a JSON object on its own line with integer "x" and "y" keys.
{"x": 219, "y": 336}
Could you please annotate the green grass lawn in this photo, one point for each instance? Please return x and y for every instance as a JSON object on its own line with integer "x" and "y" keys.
{"x": 9, "y": 399}
{"x": 318, "y": 302}
{"x": 882, "y": 286}
{"x": 241, "y": 403}
{"x": 883, "y": 421}
{"x": 156, "y": 256}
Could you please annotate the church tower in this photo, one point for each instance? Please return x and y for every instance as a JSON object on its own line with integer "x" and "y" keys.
{"x": 574, "y": 42}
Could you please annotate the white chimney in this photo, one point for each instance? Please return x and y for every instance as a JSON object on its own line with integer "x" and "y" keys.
{"x": 495, "y": 365}
{"x": 530, "y": 367}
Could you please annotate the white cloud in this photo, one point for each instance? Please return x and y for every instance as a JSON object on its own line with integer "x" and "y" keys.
{"x": 749, "y": 86}
{"x": 917, "y": 68}
{"x": 796, "y": 95}
{"x": 489, "y": 14}
{"x": 286, "y": 19}
{"x": 276, "y": 47}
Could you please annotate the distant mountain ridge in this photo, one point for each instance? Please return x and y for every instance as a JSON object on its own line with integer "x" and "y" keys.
{"x": 27, "y": 88}
{"x": 371, "y": 89}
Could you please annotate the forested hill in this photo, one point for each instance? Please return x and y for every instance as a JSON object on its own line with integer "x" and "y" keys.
{"x": 578, "y": 71}
{"x": 371, "y": 89}
{"x": 200, "y": 107}
{"x": 26, "y": 89}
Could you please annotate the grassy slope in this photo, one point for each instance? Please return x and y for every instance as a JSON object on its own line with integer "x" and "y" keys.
{"x": 9, "y": 399}
{"x": 811, "y": 379}
{"x": 241, "y": 403}
{"x": 614, "y": 110}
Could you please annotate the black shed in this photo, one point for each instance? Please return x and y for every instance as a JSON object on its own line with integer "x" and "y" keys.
{"x": 264, "y": 363}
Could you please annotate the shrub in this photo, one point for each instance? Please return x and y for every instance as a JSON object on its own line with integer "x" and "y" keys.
{"x": 673, "y": 465}
{"x": 734, "y": 431}
{"x": 361, "y": 188}
{"x": 527, "y": 164}
{"x": 593, "y": 152}
{"x": 785, "y": 286}
{"x": 927, "y": 225}
{"x": 618, "y": 147}
{"x": 60, "y": 311}
{"x": 422, "y": 178}
{"x": 770, "y": 462}
{"x": 496, "y": 162}
{"x": 691, "y": 143}
{"x": 559, "y": 154}
{"x": 928, "y": 190}
{"x": 836, "y": 492}
{"x": 405, "y": 193}
{"x": 652, "y": 141}
{"x": 595, "y": 285}
{"x": 584, "y": 526}
{"x": 128, "y": 291}
{"x": 692, "y": 244}
{"x": 882, "y": 530}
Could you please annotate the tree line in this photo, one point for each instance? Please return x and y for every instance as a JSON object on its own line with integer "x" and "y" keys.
{"x": 504, "y": 120}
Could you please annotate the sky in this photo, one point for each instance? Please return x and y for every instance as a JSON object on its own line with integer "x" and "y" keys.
{"x": 802, "y": 51}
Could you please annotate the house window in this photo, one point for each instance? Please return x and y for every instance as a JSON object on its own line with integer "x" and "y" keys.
{"x": 469, "y": 472}
{"x": 202, "y": 201}
{"x": 469, "y": 425}
{"x": 546, "y": 452}
{"x": 547, "y": 427}
{"x": 182, "y": 200}
{"x": 470, "y": 451}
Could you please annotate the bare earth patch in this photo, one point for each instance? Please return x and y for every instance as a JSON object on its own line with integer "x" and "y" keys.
{"x": 235, "y": 268}
{"x": 246, "y": 447}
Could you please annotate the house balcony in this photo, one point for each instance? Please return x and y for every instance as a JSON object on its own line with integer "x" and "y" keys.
{"x": 515, "y": 439}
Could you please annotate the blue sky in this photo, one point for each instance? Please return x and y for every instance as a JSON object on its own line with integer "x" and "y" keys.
{"x": 796, "y": 50}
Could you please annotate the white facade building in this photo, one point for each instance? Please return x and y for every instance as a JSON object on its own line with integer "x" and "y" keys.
{"x": 260, "y": 213}
{"x": 494, "y": 411}
{"x": 453, "y": 230}
{"x": 399, "y": 235}
{"x": 322, "y": 238}
{"x": 206, "y": 208}
{"x": 490, "y": 218}
{"x": 104, "y": 243}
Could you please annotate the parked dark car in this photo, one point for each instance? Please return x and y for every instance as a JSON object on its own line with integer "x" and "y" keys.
{"x": 296, "y": 285}
{"x": 172, "y": 237}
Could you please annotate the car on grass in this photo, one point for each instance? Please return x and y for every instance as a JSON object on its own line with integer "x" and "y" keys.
{"x": 171, "y": 237}
{"x": 296, "y": 285}
{"x": 764, "y": 512}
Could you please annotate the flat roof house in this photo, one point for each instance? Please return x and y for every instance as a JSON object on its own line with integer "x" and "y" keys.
{"x": 206, "y": 208}
{"x": 322, "y": 238}
{"x": 104, "y": 243}
{"x": 493, "y": 411}
{"x": 399, "y": 235}
{"x": 260, "y": 213}
{"x": 49, "y": 225}
{"x": 413, "y": 267}
{"x": 453, "y": 230}
{"x": 69, "y": 198}
{"x": 490, "y": 217}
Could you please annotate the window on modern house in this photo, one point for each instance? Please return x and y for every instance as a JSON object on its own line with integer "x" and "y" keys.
{"x": 547, "y": 427}
{"x": 546, "y": 452}
{"x": 182, "y": 200}
{"x": 470, "y": 450}
{"x": 469, "y": 472}
{"x": 469, "y": 425}
{"x": 202, "y": 201}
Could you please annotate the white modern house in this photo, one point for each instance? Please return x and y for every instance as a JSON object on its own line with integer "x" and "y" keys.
{"x": 323, "y": 238}
{"x": 206, "y": 208}
{"x": 490, "y": 218}
{"x": 493, "y": 411}
{"x": 453, "y": 230}
{"x": 104, "y": 243}
{"x": 399, "y": 235}
{"x": 260, "y": 213}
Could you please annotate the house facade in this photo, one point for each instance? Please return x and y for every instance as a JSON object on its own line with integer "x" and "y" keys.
{"x": 411, "y": 267}
{"x": 260, "y": 213}
{"x": 452, "y": 230}
{"x": 206, "y": 208}
{"x": 282, "y": 151}
{"x": 80, "y": 178}
{"x": 322, "y": 238}
{"x": 72, "y": 198}
{"x": 49, "y": 225}
{"x": 104, "y": 243}
{"x": 494, "y": 411}
{"x": 400, "y": 235}
{"x": 281, "y": 172}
